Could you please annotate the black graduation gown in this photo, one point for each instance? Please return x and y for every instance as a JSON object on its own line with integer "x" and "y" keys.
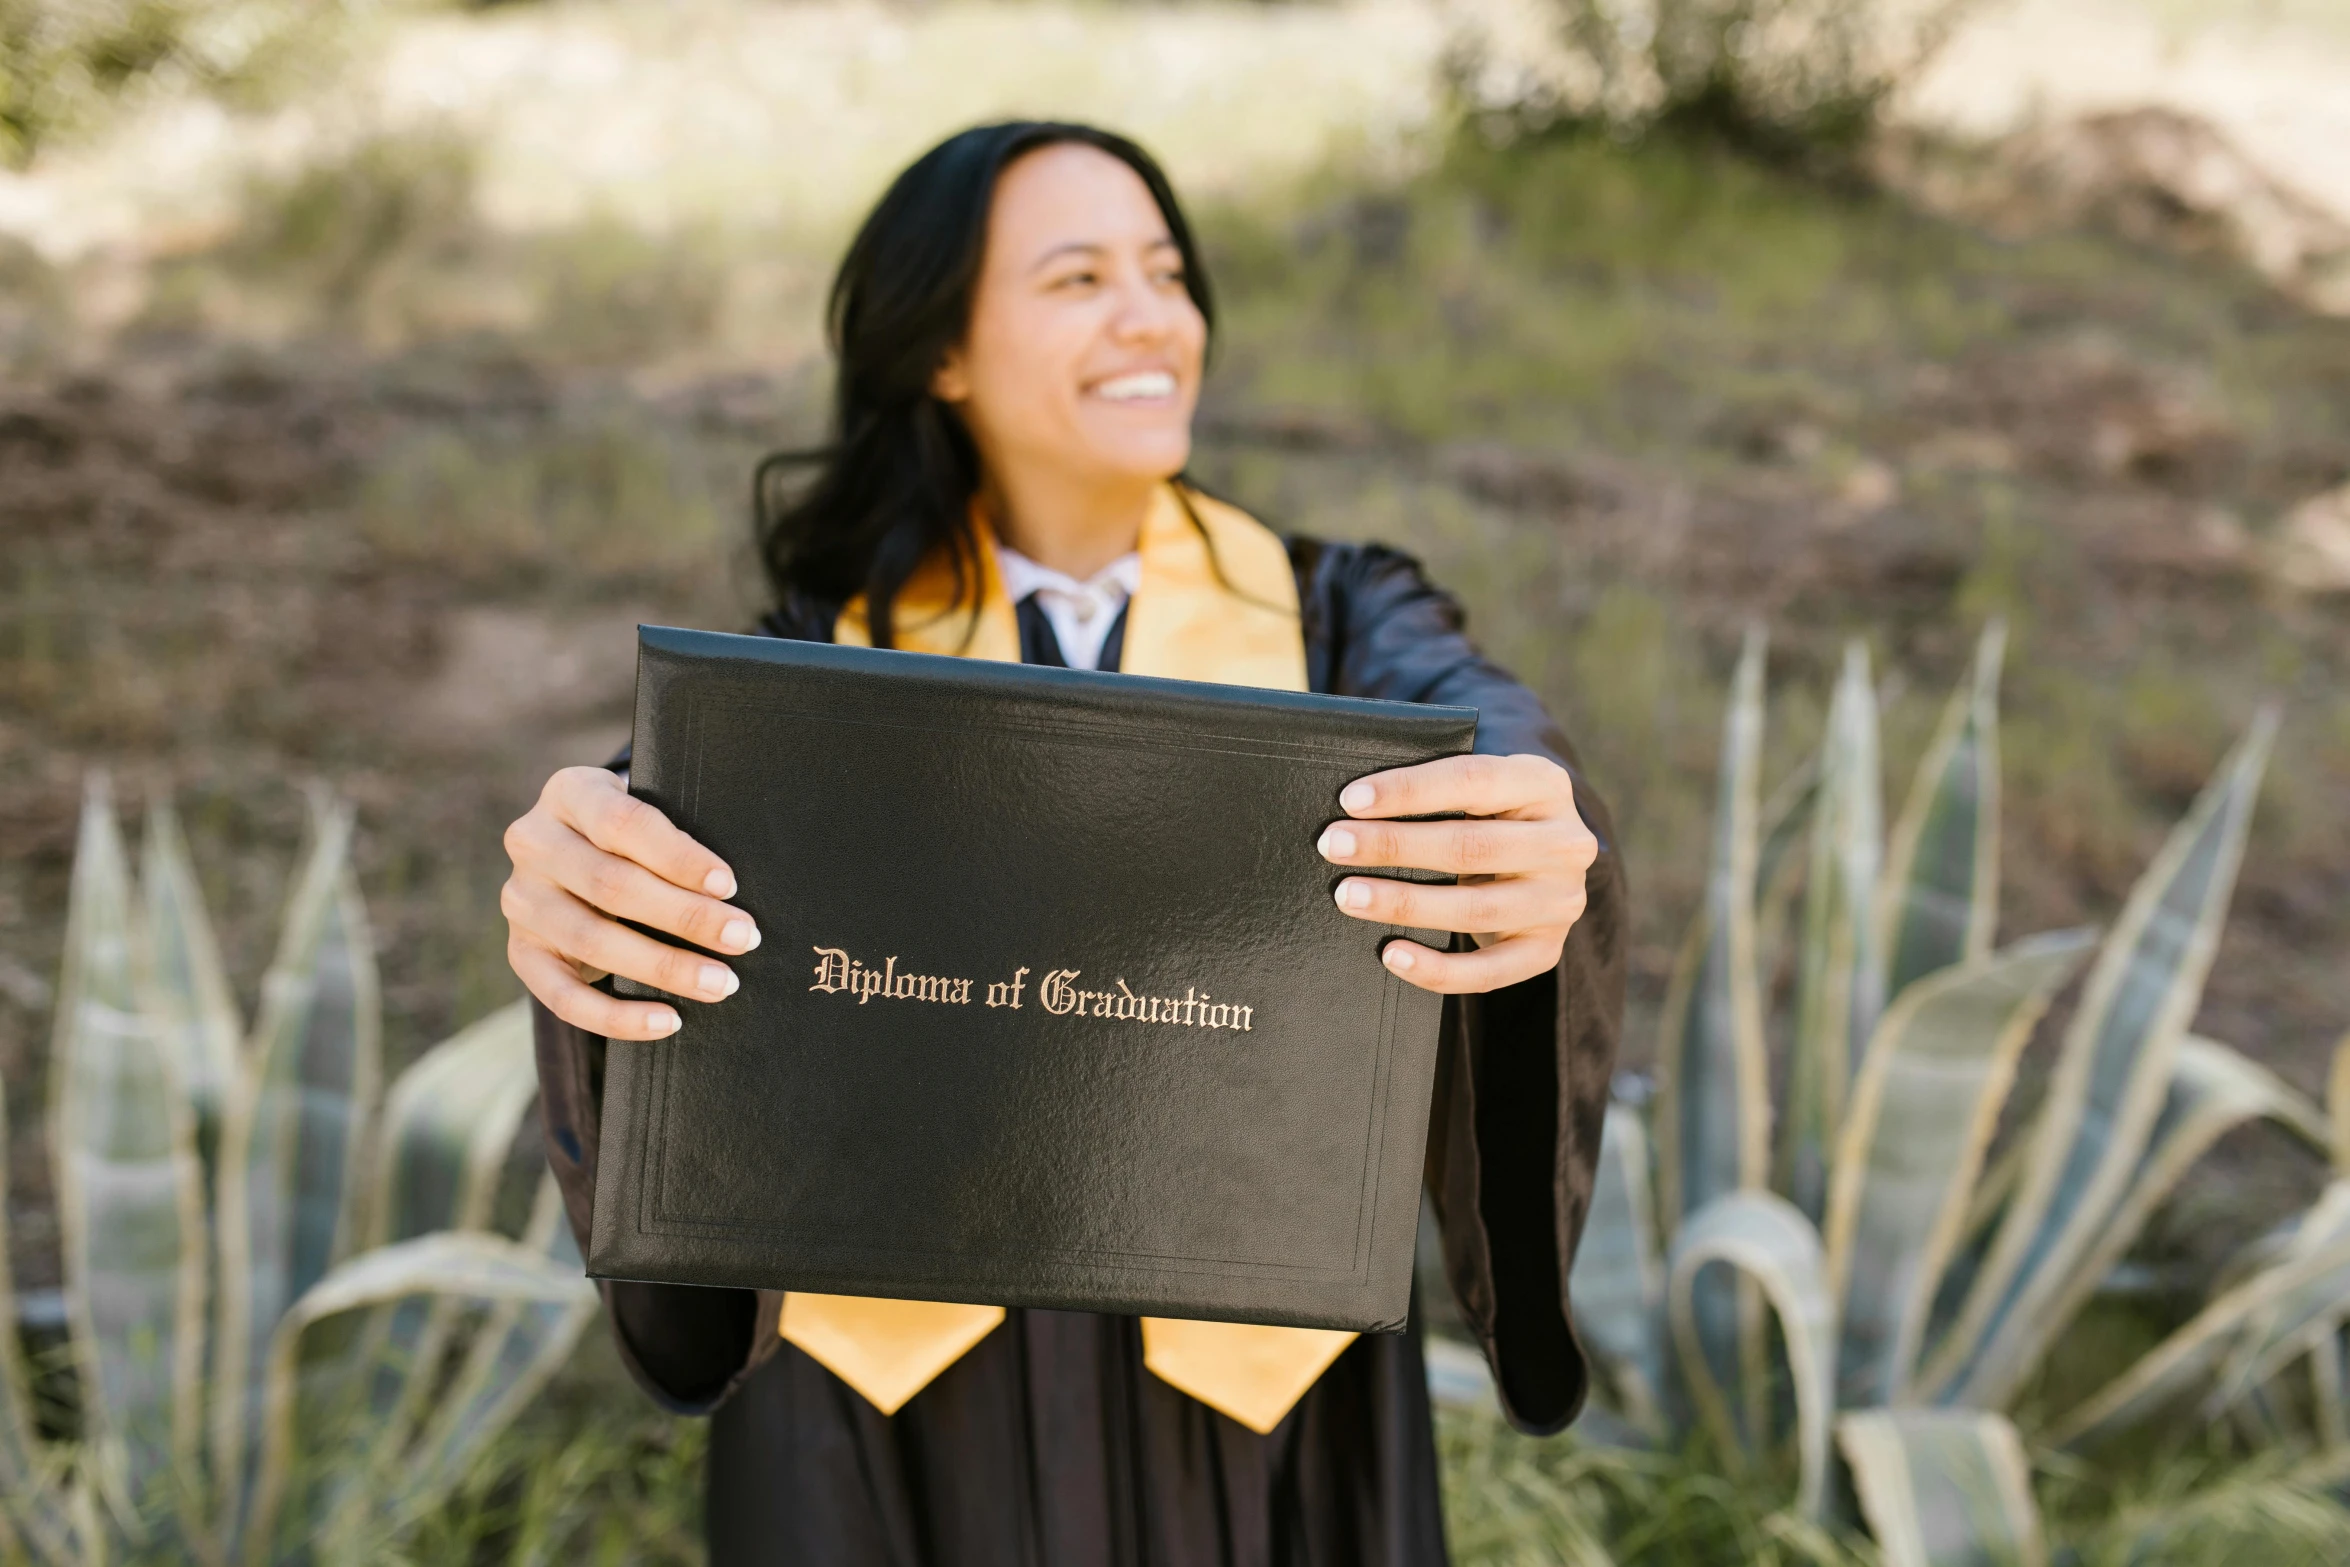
{"x": 1049, "y": 1445}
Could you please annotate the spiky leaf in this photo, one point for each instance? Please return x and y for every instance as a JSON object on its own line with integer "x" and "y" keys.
{"x": 2315, "y": 1273}
{"x": 1617, "y": 1286}
{"x": 1943, "y": 1488}
{"x": 1839, "y": 982}
{"x": 2293, "y": 1323}
{"x": 1940, "y": 897}
{"x": 448, "y": 1122}
{"x": 2213, "y": 1090}
{"x": 1763, "y": 1238}
{"x": 129, "y": 1195}
{"x": 448, "y": 1126}
{"x": 294, "y": 1138}
{"x": 1713, "y": 1106}
{"x": 1778, "y": 869}
{"x": 521, "y": 1345}
{"x": 475, "y": 1266}
{"x": 2112, "y": 1076}
{"x": 1923, "y": 1110}
{"x": 186, "y": 989}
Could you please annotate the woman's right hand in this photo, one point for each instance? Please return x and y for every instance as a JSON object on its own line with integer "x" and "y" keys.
{"x": 589, "y": 855}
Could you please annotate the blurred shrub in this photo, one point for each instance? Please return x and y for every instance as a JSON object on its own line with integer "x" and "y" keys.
{"x": 346, "y": 243}
{"x": 606, "y": 496}
{"x": 62, "y": 62}
{"x": 382, "y": 241}
{"x": 336, "y": 225}
{"x": 1792, "y": 80}
{"x": 611, "y": 295}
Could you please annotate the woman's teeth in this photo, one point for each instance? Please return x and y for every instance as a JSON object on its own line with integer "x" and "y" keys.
{"x": 1141, "y": 387}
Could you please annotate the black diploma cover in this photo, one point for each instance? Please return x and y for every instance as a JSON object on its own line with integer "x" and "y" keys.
{"x": 1052, "y": 1005}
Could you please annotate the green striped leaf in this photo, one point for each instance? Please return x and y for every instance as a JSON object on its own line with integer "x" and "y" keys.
{"x": 129, "y": 1197}
{"x": 2213, "y": 1090}
{"x": 2191, "y": 1359}
{"x": 1939, "y": 901}
{"x": 1713, "y": 1102}
{"x": 186, "y": 989}
{"x": 1617, "y": 1285}
{"x": 2292, "y": 1324}
{"x": 1943, "y": 1488}
{"x": 1778, "y": 869}
{"x": 447, "y": 1125}
{"x": 1839, "y": 981}
{"x": 1924, "y": 1107}
{"x": 521, "y": 1345}
{"x": 292, "y": 1145}
{"x": 447, "y": 1130}
{"x": 2112, "y": 1076}
{"x": 1764, "y": 1239}
{"x": 477, "y": 1267}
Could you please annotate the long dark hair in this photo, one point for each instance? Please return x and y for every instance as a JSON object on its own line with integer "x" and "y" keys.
{"x": 897, "y": 476}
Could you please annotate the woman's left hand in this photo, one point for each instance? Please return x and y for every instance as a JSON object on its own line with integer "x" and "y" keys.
{"x": 1520, "y": 853}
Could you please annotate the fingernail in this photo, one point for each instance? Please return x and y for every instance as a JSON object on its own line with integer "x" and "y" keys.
{"x": 1337, "y": 843}
{"x": 739, "y": 935}
{"x": 719, "y": 981}
{"x": 719, "y": 883}
{"x": 1398, "y": 956}
{"x": 1355, "y": 796}
{"x": 1353, "y": 895}
{"x": 664, "y": 1023}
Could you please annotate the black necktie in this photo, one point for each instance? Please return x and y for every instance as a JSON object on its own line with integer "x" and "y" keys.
{"x": 1038, "y": 645}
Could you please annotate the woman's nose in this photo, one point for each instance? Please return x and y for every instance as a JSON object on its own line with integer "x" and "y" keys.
{"x": 1143, "y": 313}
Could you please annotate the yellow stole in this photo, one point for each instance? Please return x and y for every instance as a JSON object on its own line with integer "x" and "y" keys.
{"x": 1184, "y": 623}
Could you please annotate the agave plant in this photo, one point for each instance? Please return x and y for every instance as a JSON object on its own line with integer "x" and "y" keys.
{"x": 2266, "y": 1351}
{"x": 1915, "y": 1284}
{"x": 291, "y": 1320}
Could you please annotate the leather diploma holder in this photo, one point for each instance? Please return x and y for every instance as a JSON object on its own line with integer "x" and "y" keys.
{"x": 1052, "y": 1005}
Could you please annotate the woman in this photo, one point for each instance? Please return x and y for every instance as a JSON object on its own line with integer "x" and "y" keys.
{"x": 1021, "y": 326}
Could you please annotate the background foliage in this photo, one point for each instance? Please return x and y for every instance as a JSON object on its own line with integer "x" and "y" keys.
{"x": 1795, "y": 81}
{"x": 65, "y": 63}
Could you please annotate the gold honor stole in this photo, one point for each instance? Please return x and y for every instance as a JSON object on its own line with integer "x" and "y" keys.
{"x": 1183, "y": 623}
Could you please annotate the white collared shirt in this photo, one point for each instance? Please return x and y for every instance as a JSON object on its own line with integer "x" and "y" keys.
{"x": 1080, "y": 612}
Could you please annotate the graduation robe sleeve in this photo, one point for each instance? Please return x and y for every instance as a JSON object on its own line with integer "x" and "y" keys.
{"x": 1522, "y": 1073}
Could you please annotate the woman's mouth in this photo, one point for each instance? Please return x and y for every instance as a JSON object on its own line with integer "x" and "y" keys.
{"x": 1141, "y": 386}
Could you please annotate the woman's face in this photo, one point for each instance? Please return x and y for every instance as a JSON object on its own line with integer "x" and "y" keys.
{"x": 1084, "y": 351}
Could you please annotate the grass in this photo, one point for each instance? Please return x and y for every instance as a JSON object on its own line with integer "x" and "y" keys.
{"x": 1516, "y": 1501}
{"x": 590, "y": 1475}
{"x": 595, "y": 1475}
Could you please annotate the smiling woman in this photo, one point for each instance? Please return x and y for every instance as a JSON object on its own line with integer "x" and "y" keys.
{"x": 1021, "y": 326}
{"x": 1081, "y": 366}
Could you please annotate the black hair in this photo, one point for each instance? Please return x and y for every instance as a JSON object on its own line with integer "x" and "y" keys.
{"x": 896, "y": 478}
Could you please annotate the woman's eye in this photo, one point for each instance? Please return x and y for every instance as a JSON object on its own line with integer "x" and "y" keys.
{"x": 1076, "y": 280}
